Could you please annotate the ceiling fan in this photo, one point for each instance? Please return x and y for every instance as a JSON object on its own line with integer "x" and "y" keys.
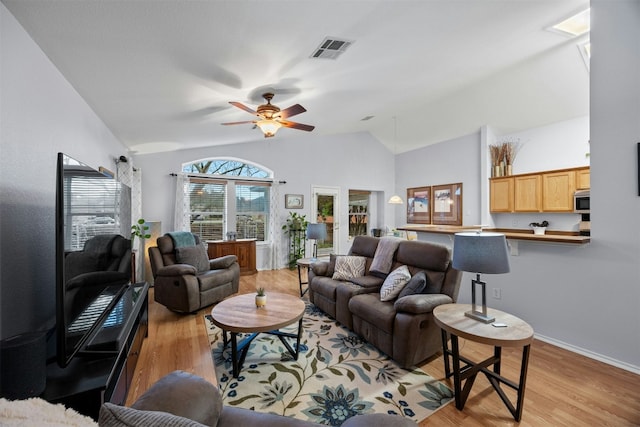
{"x": 271, "y": 118}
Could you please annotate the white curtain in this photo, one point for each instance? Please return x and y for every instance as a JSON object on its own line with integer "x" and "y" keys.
{"x": 275, "y": 237}
{"x": 181, "y": 215}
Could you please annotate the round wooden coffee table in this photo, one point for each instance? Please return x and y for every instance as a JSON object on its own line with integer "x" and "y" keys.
{"x": 239, "y": 314}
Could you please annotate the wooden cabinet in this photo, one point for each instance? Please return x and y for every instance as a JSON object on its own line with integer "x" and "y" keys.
{"x": 501, "y": 194}
{"x": 558, "y": 189}
{"x": 583, "y": 179}
{"x": 550, "y": 191}
{"x": 244, "y": 249}
{"x": 527, "y": 193}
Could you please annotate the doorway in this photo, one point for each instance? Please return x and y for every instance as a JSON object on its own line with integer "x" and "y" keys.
{"x": 325, "y": 207}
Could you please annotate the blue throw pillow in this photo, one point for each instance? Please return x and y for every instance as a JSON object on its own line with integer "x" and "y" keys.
{"x": 416, "y": 285}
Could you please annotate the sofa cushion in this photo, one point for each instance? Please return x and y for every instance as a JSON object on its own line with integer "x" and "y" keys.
{"x": 183, "y": 394}
{"x": 416, "y": 285}
{"x": 367, "y": 281}
{"x": 393, "y": 284}
{"x": 348, "y": 267}
{"x": 370, "y": 309}
{"x": 119, "y": 416}
{"x": 193, "y": 255}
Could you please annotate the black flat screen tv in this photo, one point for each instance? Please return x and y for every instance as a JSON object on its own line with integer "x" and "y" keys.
{"x": 90, "y": 206}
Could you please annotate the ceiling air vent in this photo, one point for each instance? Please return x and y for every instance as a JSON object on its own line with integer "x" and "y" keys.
{"x": 331, "y": 48}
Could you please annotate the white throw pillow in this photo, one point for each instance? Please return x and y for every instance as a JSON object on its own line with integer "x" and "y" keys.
{"x": 393, "y": 284}
{"x": 348, "y": 267}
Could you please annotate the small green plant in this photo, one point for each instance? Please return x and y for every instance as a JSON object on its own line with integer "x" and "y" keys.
{"x": 296, "y": 227}
{"x": 539, "y": 224}
{"x": 260, "y": 292}
{"x": 139, "y": 229}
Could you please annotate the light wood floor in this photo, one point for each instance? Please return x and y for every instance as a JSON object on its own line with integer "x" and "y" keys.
{"x": 563, "y": 388}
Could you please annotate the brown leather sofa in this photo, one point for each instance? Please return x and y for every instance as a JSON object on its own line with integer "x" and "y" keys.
{"x": 185, "y": 280}
{"x": 404, "y": 328}
{"x": 183, "y": 399}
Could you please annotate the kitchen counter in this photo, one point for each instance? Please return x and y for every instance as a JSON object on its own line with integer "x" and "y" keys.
{"x": 551, "y": 236}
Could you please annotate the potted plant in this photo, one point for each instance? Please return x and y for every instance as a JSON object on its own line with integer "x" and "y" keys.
{"x": 261, "y": 298}
{"x": 295, "y": 227}
{"x": 139, "y": 229}
{"x": 539, "y": 227}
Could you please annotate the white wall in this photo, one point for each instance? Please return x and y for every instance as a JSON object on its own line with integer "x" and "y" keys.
{"x": 351, "y": 161}
{"x": 583, "y": 297}
{"x": 41, "y": 115}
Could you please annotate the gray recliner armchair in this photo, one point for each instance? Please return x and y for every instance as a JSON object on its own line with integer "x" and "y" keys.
{"x": 185, "y": 279}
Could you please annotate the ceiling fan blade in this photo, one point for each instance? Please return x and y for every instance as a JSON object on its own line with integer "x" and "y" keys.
{"x": 243, "y": 107}
{"x": 238, "y": 123}
{"x": 294, "y": 125}
{"x": 292, "y": 111}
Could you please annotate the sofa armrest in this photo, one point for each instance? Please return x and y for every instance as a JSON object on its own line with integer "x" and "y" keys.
{"x": 421, "y": 303}
{"x": 185, "y": 395}
{"x": 320, "y": 268}
{"x": 222, "y": 262}
{"x": 176, "y": 270}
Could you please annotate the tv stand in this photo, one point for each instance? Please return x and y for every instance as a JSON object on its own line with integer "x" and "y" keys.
{"x": 103, "y": 370}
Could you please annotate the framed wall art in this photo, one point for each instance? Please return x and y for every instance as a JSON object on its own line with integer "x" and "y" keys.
{"x": 446, "y": 204}
{"x": 293, "y": 201}
{"x": 419, "y": 205}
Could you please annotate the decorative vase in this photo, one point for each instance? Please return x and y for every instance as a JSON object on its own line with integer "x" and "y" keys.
{"x": 539, "y": 230}
{"x": 261, "y": 300}
{"x": 509, "y": 170}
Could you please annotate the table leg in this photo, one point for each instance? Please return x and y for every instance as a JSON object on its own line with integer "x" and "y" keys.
{"x": 445, "y": 353}
{"x": 523, "y": 379}
{"x": 300, "y": 280}
{"x": 455, "y": 355}
{"x": 234, "y": 354}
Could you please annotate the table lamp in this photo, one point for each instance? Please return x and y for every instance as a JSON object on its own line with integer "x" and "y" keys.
{"x": 479, "y": 252}
{"x": 316, "y": 232}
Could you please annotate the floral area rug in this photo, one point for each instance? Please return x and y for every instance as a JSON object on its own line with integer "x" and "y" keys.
{"x": 337, "y": 375}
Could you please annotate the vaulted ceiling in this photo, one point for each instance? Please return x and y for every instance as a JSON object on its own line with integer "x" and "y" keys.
{"x": 161, "y": 74}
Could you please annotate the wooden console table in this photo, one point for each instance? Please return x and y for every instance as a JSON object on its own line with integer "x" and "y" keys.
{"x": 516, "y": 333}
{"x": 244, "y": 249}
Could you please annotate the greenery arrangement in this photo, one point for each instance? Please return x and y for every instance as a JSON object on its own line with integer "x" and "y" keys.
{"x": 139, "y": 229}
{"x": 295, "y": 227}
{"x": 539, "y": 224}
{"x": 260, "y": 292}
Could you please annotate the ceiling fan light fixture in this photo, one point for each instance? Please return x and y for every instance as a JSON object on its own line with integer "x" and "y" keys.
{"x": 269, "y": 127}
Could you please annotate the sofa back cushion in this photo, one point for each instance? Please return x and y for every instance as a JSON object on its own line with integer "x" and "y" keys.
{"x": 433, "y": 258}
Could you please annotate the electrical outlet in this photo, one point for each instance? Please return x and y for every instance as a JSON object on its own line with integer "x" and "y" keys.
{"x": 497, "y": 293}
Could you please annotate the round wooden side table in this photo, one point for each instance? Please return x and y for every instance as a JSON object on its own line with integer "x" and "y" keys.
{"x": 516, "y": 333}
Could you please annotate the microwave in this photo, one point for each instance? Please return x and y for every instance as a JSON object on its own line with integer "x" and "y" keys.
{"x": 581, "y": 202}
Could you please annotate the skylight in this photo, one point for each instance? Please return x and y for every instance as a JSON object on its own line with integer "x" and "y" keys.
{"x": 576, "y": 25}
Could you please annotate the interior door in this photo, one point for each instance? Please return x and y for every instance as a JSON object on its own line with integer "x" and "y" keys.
{"x": 325, "y": 207}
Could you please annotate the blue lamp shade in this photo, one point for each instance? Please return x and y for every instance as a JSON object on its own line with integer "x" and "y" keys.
{"x": 479, "y": 252}
{"x": 317, "y": 231}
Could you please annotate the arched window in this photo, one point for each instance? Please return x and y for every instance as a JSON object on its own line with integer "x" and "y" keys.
{"x": 228, "y": 195}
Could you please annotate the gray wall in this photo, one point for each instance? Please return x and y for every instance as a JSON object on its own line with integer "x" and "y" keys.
{"x": 303, "y": 161}
{"x": 584, "y": 298}
{"x": 41, "y": 115}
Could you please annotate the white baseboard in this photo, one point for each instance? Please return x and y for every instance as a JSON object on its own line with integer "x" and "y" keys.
{"x": 590, "y": 354}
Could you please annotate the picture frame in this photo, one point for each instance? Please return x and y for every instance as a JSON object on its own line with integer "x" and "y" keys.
{"x": 294, "y": 201}
{"x": 419, "y": 205}
{"x": 446, "y": 202}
